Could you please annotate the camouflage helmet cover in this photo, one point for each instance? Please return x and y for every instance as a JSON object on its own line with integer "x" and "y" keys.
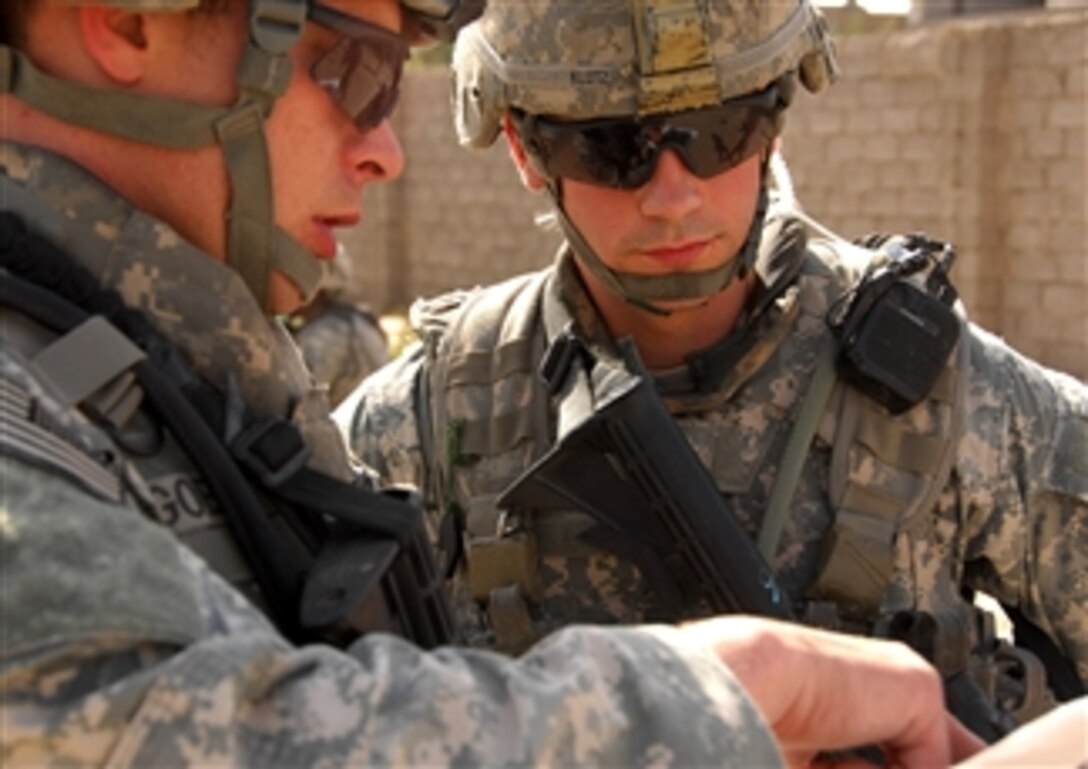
{"x": 585, "y": 60}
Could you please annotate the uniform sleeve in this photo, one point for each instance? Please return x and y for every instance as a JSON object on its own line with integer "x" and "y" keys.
{"x": 122, "y": 649}
{"x": 381, "y": 424}
{"x": 1023, "y": 469}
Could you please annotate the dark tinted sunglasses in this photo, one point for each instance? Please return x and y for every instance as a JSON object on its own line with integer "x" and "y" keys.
{"x": 362, "y": 71}
{"x": 623, "y": 152}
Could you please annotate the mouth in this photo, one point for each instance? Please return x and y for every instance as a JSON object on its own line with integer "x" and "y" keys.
{"x": 323, "y": 241}
{"x": 678, "y": 254}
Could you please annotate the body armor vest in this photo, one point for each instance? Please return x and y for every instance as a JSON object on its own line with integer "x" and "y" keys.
{"x": 859, "y": 509}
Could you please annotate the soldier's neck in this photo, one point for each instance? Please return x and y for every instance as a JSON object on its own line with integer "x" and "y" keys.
{"x": 665, "y": 341}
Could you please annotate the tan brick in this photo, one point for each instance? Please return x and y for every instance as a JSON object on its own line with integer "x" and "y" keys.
{"x": 1067, "y": 113}
{"x": 1061, "y": 301}
{"x": 1034, "y": 82}
{"x": 1074, "y": 333}
{"x": 1072, "y": 79}
{"x": 1022, "y": 296}
{"x": 878, "y": 147}
{"x": 1075, "y": 144}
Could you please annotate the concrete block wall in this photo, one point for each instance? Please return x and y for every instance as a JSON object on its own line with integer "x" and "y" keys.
{"x": 971, "y": 130}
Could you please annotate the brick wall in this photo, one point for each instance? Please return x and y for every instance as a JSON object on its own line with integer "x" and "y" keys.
{"x": 971, "y": 130}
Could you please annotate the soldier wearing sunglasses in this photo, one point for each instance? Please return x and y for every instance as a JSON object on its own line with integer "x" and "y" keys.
{"x": 887, "y": 457}
{"x": 191, "y": 567}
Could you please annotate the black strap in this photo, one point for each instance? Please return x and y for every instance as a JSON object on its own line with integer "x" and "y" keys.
{"x": 242, "y": 509}
{"x": 1061, "y": 674}
{"x": 47, "y": 286}
{"x": 267, "y": 453}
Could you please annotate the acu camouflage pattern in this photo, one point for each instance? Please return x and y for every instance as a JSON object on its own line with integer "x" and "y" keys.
{"x": 205, "y": 309}
{"x": 1011, "y": 521}
{"x": 624, "y": 57}
{"x": 342, "y": 344}
{"x": 122, "y": 647}
{"x": 341, "y": 340}
{"x": 195, "y": 301}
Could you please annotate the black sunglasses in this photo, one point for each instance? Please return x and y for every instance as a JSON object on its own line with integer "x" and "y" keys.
{"x": 622, "y": 152}
{"x": 363, "y": 70}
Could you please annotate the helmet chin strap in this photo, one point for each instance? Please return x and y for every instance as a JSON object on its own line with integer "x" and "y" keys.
{"x": 645, "y": 291}
{"x": 254, "y": 243}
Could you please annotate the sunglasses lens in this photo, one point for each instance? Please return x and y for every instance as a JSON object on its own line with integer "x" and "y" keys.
{"x": 362, "y": 78}
{"x": 363, "y": 70}
{"x": 722, "y": 141}
{"x": 623, "y": 152}
{"x": 610, "y": 155}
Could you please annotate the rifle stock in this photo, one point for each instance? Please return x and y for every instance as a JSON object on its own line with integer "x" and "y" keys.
{"x": 630, "y": 467}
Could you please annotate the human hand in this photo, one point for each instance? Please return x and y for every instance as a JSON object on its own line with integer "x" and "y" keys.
{"x": 822, "y": 691}
{"x": 1058, "y": 740}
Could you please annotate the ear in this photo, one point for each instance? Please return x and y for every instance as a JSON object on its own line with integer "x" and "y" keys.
{"x": 115, "y": 39}
{"x": 530, "y": 177}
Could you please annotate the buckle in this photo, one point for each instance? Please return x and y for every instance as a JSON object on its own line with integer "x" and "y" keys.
{"x": 272, "y": 449}
{"x": 558, "y": 359}
{"x": 276, "y": 25}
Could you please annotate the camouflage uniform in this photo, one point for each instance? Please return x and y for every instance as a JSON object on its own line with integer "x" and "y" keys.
{"x": 464, "y": 414}
{"x": 122, "y": 647}
{"x": 341, "y": 340}
{"x": 342, "y": 344}
{"x": 982, "y": 484}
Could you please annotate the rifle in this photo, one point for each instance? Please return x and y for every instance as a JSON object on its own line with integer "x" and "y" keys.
{"x": 630, "y": 468}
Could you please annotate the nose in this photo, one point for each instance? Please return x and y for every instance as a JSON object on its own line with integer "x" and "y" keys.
{"x": 374, "y": 155}
{"x": 672, "y": 192}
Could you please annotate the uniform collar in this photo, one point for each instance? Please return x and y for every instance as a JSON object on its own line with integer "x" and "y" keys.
{"x": 196, "y": 302}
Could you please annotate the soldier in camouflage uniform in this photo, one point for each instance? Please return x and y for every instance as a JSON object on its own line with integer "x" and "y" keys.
{"x": 652, "y": 125}
{"x": 341, "y": 339}
{"x": 129, "y": 299}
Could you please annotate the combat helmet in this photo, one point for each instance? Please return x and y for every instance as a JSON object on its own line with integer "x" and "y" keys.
{"x": 254, "y": 243}
{"x": 583, "y": 60}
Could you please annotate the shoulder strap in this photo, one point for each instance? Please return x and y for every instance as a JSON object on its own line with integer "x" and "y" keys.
{"x": 886, "y": 472}
{"x": 793, "y": 458}
{"x": 272, "y": 452}
{"x": 913, "y": 454}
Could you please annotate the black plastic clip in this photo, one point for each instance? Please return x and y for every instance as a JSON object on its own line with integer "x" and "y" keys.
{"x": 272, "y": 449}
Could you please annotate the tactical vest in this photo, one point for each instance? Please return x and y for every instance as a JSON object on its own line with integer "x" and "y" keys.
{"x": 492, "y": 417}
